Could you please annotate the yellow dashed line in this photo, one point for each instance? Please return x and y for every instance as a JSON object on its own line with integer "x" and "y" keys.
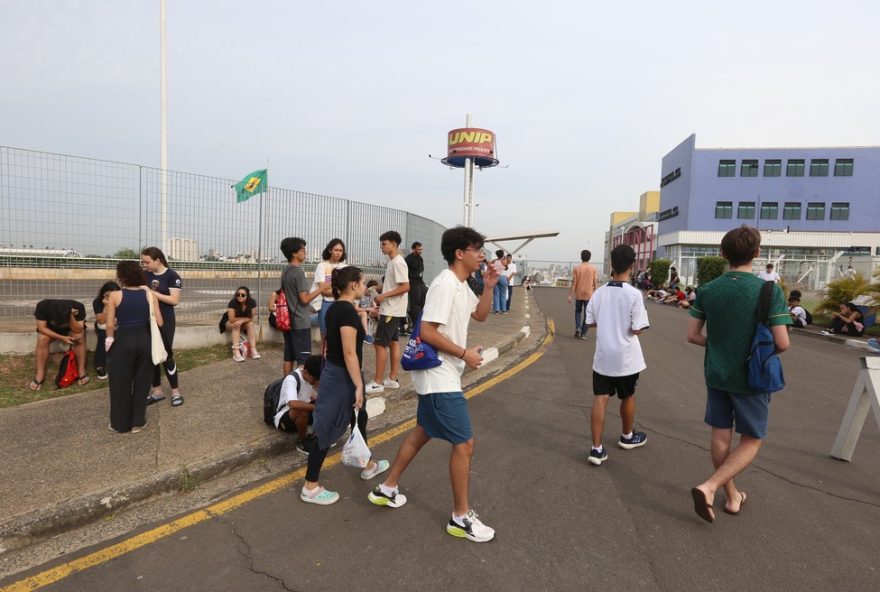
{"x": 106, "y": 554}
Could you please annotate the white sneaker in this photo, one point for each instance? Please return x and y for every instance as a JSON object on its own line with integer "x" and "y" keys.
{"x": 373, "y": 387}
{"x": 392, "y": 384}
{"x": 471, "y": 529}
{"x": 255, "y": 354}
{"x": 825, "y": 333}
{"x": 381, "y": 467}
{"x": 236, "y": 355}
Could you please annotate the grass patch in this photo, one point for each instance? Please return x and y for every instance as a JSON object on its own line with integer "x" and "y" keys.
{"x": 16, "y": 372}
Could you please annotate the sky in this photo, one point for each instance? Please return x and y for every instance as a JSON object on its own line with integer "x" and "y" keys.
{"x": 348, "y": 98}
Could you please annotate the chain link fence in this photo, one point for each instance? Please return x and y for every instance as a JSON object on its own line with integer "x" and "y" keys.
{"x": 65, "y": 221}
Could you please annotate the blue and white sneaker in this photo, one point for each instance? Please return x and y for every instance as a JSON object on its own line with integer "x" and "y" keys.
{"x": 873, "y": 345}
{"x": 597, "y": 457}
{"x": 634, "y": 441}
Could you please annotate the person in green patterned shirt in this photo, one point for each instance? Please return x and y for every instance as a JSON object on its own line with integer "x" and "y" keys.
{"x": 727, "y": 307}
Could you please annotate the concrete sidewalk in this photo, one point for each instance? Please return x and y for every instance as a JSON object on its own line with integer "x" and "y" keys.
{"x": 63, "y": 468}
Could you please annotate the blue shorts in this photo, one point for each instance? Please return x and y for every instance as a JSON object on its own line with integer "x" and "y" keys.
{"x": 748, "y": 412}
{"x": 445, "y": 416}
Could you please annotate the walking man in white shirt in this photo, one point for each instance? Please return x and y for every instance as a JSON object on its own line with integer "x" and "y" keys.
{"x": 442, "y": 411}
{"x": 511, "y": 277}
{"x": 617, "y": 310}
{"x": 769, "y": 275}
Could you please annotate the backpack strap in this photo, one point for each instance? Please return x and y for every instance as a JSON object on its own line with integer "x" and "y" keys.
{"x": 764, "y": 299}
{"x": 296, "y": 378}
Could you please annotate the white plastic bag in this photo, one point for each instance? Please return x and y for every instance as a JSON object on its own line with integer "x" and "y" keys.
{"x": 355, "y": 452}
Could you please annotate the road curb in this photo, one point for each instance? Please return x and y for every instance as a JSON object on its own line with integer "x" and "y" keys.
{"x": 26, "y": 529}
{"x": 839, "y": 340}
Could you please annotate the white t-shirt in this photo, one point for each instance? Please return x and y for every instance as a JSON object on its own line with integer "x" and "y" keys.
{"x": 290, "y": 393}
{"x": 617, "y": 309}
{"x": 511, "y": 272}
{"x": 450, "y": 303}
{"x": 396, "y": 273}
{"x": 324, "y": 273}
{"x": 769, "y": 277}
{"x": 799, "y": 313}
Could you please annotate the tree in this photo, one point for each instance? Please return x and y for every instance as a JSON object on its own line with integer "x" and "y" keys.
{"x": 126, "y": 254}
{"x": 709, "y": 268}
{"x": 659, "y": 271}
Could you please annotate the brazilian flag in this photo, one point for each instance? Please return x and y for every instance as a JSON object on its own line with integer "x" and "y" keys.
{"x": 251, "y": 185}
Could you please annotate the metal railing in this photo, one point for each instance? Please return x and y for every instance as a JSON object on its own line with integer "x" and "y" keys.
{"x": 65, "y": 221}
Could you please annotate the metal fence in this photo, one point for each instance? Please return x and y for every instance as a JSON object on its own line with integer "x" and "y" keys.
{"x": 549, "y": 273}
{"x": 66, "y": 220}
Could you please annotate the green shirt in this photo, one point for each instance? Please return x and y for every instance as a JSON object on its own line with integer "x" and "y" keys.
{"x": 728, "y": 305}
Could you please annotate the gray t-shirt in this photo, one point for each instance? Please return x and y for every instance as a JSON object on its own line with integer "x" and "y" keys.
{"x": 293, "y": 281}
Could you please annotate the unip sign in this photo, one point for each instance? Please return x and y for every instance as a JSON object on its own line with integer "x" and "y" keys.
{"x": 471, "y": 142}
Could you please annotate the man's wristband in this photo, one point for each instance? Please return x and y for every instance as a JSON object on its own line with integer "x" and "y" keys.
{"x": 463, "y": 353}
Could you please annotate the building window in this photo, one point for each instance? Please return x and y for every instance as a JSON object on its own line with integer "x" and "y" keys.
{"x": 795, "y": 168}
{"x": 724, "y": 209}
{"x": 839, "y": 210}
{"x": 843, "y": 167}
{"x": 726, "y": 168}
{"x": 748, "y": 168}
{"x": 791, "y": 211}
{"x": 819, "y": 167}
{"x": 773, "y": 168}
{"x": 769, "y": 210}
{"x": 815, "y": 210}
{"x": 746, "y": 210}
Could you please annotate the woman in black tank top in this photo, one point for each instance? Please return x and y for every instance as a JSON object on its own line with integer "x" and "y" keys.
{"x": 129, "y": 361}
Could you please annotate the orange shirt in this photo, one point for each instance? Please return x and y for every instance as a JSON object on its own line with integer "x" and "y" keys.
{"x": 583, "y": 279}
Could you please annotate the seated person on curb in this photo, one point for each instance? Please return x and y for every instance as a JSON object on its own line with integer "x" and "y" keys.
{"x": 675, "y": 296}
{"x": 687, "y": 297}
{"x": 297, "y": 402}
{"x": 846, "y": 322}
{"x": 798, "y": 312}
{"x": 658, "y": 295}
{"x": 59, "y": 320}
{"x": 238, "y": 318}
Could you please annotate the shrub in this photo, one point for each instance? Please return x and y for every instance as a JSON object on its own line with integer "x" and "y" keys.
{"x": 659, "y": 271}
{"x": 843, "y": 290}
{"x": 709, "y": 268}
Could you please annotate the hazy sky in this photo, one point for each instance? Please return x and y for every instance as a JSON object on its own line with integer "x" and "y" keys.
{"x": 348, "y": 98}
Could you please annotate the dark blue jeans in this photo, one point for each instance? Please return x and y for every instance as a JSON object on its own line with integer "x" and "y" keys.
{"x": 580, "y": 315}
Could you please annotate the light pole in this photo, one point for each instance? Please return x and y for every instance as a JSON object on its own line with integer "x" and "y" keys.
{"x": 163, "y": 121}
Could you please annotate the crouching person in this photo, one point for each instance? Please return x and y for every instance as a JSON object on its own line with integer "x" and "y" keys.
{"x": 64, "y": 321}
{"x": 296, "y": 402}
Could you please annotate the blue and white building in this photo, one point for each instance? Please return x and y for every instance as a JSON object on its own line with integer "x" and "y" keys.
{"x": 818, "y": 209}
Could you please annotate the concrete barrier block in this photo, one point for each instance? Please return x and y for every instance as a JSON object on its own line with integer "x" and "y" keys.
{"x": 375, "y": 407}
{"x": 490, "y": 354}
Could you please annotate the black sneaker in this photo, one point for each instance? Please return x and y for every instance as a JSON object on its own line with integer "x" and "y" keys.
{"x": 102, "y": 373}
{"x": 305, "y": 446}
{"x": 577, "y": 334}
{"x": 634, "y": 441}
{"x": 597, "y": 457}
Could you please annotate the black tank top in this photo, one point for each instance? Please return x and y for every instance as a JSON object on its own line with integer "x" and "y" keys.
{"x": 134, "y": 309}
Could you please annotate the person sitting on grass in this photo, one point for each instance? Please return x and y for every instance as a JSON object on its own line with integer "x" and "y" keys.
{"x": 846, "y": 322}
{"x": 297, "y": 402}
{"x": 64, "y": 321}
{"x": 798, "y": 312}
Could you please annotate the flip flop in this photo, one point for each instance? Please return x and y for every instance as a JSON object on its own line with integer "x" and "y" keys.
{"x": 742, "y": 502}
{"x": 154, "y": 399}
{"x": 701, "y": 506}
{"x": 36, "y": 385}
{"x": 83, "y": 381}
{"x": 176, "y": 400}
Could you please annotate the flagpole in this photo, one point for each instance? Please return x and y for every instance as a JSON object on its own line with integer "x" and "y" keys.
{"x": 260, "y": 248}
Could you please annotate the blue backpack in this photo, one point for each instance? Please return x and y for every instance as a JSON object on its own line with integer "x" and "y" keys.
{"x": 418, "y": 355}
{"x": 765, "y": 367}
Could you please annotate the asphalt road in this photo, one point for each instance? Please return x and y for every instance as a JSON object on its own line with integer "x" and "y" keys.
{"x": 810, "y": 523}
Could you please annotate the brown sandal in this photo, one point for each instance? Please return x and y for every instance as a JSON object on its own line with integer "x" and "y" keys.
{"x": 36, "y": 385}
{"x": 83, "y": 381}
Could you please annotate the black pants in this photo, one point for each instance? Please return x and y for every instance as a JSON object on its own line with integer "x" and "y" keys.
{"x": 838, "y": 326}
{"x": 317, "y": 457}
{"x": 167, "y": 331}
{"x": 100, "y": 353}
{"x": 417, "y": 293}
{"x": 129, "y": 365}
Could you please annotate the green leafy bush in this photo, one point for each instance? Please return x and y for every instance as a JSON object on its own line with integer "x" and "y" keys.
{"x": 709, "y": 268}
{"x": 659, "y": 271}
{"x": 843, "y": 290}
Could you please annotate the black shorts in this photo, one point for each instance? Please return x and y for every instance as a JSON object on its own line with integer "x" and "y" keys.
{"x": 285, "y": 424}
{"x": 297, "y": 345}
{"x": 622, "y": 386}
{"x": 387, "y": 330}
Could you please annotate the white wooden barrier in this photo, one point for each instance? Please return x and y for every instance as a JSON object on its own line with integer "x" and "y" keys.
{"x": 864, "y": 397}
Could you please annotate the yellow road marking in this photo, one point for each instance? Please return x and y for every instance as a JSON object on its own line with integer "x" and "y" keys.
{"x": 60, "y": 572}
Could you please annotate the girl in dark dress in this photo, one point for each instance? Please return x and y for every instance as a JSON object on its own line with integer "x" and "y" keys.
{"x": 129, "y": 358}
{"x": 342, "y": 384}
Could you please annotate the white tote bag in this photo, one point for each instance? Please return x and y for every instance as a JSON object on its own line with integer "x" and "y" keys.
{"x": 157, "y": 348}
{"x": 355, "y": 452}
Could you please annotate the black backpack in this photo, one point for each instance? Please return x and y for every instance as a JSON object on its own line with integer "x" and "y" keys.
{"x": 809, "y": 317}
{"x": 272, "y": 396}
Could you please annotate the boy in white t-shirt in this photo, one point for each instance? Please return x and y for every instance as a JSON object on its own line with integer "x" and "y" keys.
{"x": 393, "y": 303}
{"x": 769, "y": 275}
{"x": 442, "y": 412}
{"x": 618, "y": 313}
{"x": 296, "y": 402}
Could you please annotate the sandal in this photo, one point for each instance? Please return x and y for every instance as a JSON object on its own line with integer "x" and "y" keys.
{"x": 176, "y": 400}
{"x": 36, "y": 385}
{"x": 155, "y": 398}
{"x": 83, "y": 381}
